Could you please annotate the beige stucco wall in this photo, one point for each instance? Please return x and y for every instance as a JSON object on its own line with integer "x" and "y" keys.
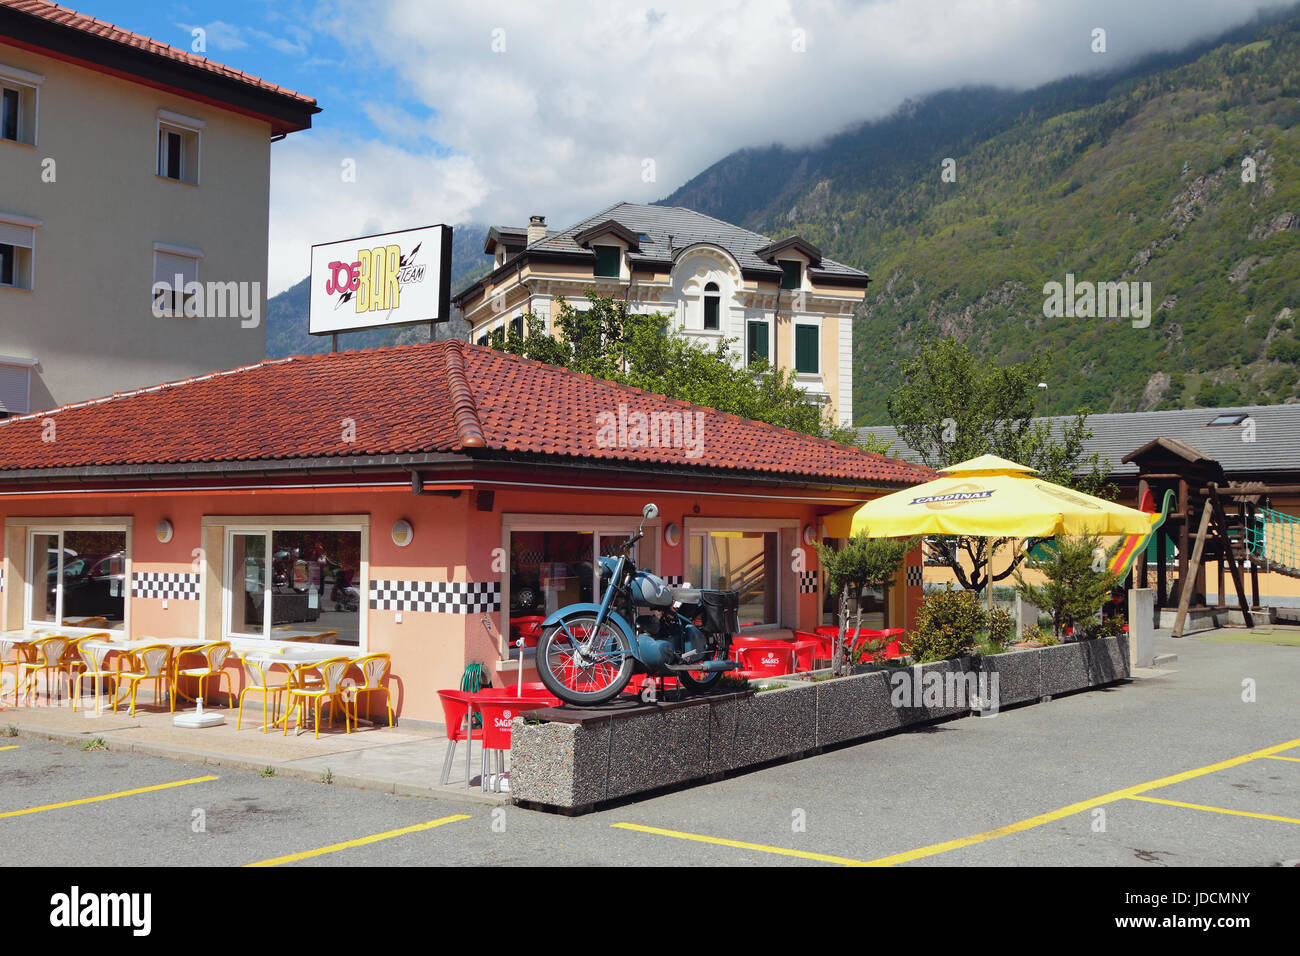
{"x": 88, "y": 319}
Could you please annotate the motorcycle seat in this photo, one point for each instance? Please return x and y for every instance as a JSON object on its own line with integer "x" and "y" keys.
{"x": 687, "y": 595}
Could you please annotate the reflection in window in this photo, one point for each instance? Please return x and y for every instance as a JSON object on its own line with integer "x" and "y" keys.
{"x": 85, "y": 578}
{"x": 296, "y": 585}
{"x": 744, "y": 561}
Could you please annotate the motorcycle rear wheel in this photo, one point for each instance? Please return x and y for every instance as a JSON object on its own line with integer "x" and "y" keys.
{"x": 697, "y": 682}
{"x": 575, "y": 677}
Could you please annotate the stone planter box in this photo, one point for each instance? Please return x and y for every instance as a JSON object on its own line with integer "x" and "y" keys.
{"x": 572, "y": 759}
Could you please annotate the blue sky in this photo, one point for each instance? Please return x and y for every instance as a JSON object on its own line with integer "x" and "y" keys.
{"x": 475, "y": 111}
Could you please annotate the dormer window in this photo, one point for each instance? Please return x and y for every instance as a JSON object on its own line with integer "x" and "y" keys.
{"x": 712, "y": 306}
{"x": 791, "y": 274}
{"x": 608, "y": 261}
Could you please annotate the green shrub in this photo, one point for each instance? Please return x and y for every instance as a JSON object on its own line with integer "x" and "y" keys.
{"x": 1002, "y": 626}
{"x": 947, "y": 626}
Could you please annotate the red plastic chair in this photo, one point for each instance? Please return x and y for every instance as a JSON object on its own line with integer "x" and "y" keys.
{"x": 498, "y": 714}
{"x": 457, "y": 708}
{"x": 637, "y": 682}
{"x": 771, "y": 659}
{"x": 528, "y": 627}
{"x": 806, "y": 654}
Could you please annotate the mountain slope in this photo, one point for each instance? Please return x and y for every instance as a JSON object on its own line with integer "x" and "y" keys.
{"x": 286, "y": 313}
{"x": 1134, "y": 176}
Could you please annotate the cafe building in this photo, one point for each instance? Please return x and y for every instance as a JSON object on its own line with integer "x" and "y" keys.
{"x": 427, "y": 502}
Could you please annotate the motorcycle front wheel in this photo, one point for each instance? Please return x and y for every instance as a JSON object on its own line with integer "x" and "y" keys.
{"x": 582, "y": 663}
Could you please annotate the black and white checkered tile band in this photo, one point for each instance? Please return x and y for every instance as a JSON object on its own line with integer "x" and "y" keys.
{"x": 915, "y": 576}
{"x": 168, "y": 585}
{"x": 440, "y": 597}
{"x": 2, "y": 578}
{"x": 807, "y": 582}
{"x": 673, "y": 580}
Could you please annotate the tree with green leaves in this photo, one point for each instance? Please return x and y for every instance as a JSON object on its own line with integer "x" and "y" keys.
{"x": 1076, "y": 582}
{"x": 951, "y": 407}
{"x": 862, "y": 564}
{"x": 608, "y": 341}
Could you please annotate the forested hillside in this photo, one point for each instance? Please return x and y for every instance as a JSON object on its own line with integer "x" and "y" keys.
{"x": 1134, "y": 176}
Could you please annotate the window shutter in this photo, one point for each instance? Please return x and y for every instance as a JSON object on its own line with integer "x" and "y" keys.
{"x": 757, "y": 345}
{"x": 806, "y": 347}
{"x": 607, "y": 261}
{"x": 12, "y": 234}
{"x": 167, "y": 266}
{"x": 14, "y": 381}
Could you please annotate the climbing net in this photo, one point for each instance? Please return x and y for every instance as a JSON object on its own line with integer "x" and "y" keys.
{"x": 1275, "y": 536}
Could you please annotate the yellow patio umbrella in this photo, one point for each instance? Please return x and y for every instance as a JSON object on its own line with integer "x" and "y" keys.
{"x": 987, "y": 497}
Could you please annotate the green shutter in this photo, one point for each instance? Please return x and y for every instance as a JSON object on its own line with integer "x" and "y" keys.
{"x": 806, "y": 349}
{"x": 791, "y": 274}
{"x": 756, "y": 347}
{"x": 607, "y": 261}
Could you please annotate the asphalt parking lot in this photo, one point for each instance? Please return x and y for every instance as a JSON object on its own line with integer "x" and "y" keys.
{"x": 1175, "y": 769}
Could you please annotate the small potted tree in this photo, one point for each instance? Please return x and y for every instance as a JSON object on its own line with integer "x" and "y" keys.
{"x": 1076, "y": 582}
{"x": 862, "y": 564}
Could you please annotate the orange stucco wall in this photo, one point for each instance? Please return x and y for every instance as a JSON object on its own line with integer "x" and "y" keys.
{"x": 453, "y": 541}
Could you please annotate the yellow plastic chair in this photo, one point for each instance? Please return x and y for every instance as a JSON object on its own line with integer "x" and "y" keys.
{"x": 149, "y": 663}
{"x": 255, "y": 671}
{"x": 215, "y": 655}
{"x": 330, "y": 687}
{"x": 374, "y": 668}
{"x": 47, "y": 655}
{"x": 7, "y": 645}
{"x": 87, "y": 666}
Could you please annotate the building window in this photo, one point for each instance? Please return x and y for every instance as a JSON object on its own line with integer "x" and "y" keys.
{"x": 295, "y": 585}
{"x": 517, "y": 326}
{"x": 744, "y": 561}
{"x": 178, "y": 147}
{"x": 17, "y": 242}
{"x": 18, "y": 97}
{"x": 807, "y": 349}
{"x": 756, "y": 346}
{"x": 175, "y": 270}
{"x": 712, "y": 305}
{"x": 77, "y": 574}
{"x": 608, "y": 261}
{"x": 791, "y": 274}
{"x": 15, "y": 385}
{"x": 483, "y": 339}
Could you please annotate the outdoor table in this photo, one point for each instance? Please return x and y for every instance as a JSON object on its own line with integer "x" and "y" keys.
{"x": 101, "y": 649}
{"x": 291, "y": 656}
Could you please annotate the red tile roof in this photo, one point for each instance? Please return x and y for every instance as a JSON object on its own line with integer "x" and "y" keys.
{"x": 54, "y": 13}
{"x": 441, "y": 397}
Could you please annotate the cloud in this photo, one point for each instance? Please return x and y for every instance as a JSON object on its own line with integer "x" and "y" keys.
{"x": 555, "y": 108}
{"x": 311, "y": 202}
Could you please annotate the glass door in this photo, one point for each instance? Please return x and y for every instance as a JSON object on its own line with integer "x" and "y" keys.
{"x": 248, "y": 584}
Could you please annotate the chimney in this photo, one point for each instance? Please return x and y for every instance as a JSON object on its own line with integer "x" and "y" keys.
{"x": 536, "y": 229}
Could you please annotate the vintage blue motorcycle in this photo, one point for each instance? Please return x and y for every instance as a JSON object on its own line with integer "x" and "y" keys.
{"x": 588, "y": 652}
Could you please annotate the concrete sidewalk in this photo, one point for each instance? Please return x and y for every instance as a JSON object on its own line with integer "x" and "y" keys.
{"x": 392, "y": 760}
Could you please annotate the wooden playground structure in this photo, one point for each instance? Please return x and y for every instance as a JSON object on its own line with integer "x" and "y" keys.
{"x": 1211, "y": 521}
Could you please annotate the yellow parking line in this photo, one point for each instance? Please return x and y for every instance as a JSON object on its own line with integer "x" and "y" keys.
{"x": 762, "y": 848}
{"x": 1074, "y": 808}
{"x": 1198, "y": 806}
{"x": 1276, "y": 757}
{"x": 347, "y": 844}
{"x": 10, "y": 747}
{"x": 106, "y": 796}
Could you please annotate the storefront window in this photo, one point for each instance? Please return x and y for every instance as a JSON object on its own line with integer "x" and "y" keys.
{"x": 744, "y": 561}
{"x": 296, "y": 585}
{"x": 78, "y": 576}
{"x": 549, "y": 569}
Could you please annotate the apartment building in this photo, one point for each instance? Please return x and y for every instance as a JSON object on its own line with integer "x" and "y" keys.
{"x": 782, "y": 302}
{"x": 134, "y": 190}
